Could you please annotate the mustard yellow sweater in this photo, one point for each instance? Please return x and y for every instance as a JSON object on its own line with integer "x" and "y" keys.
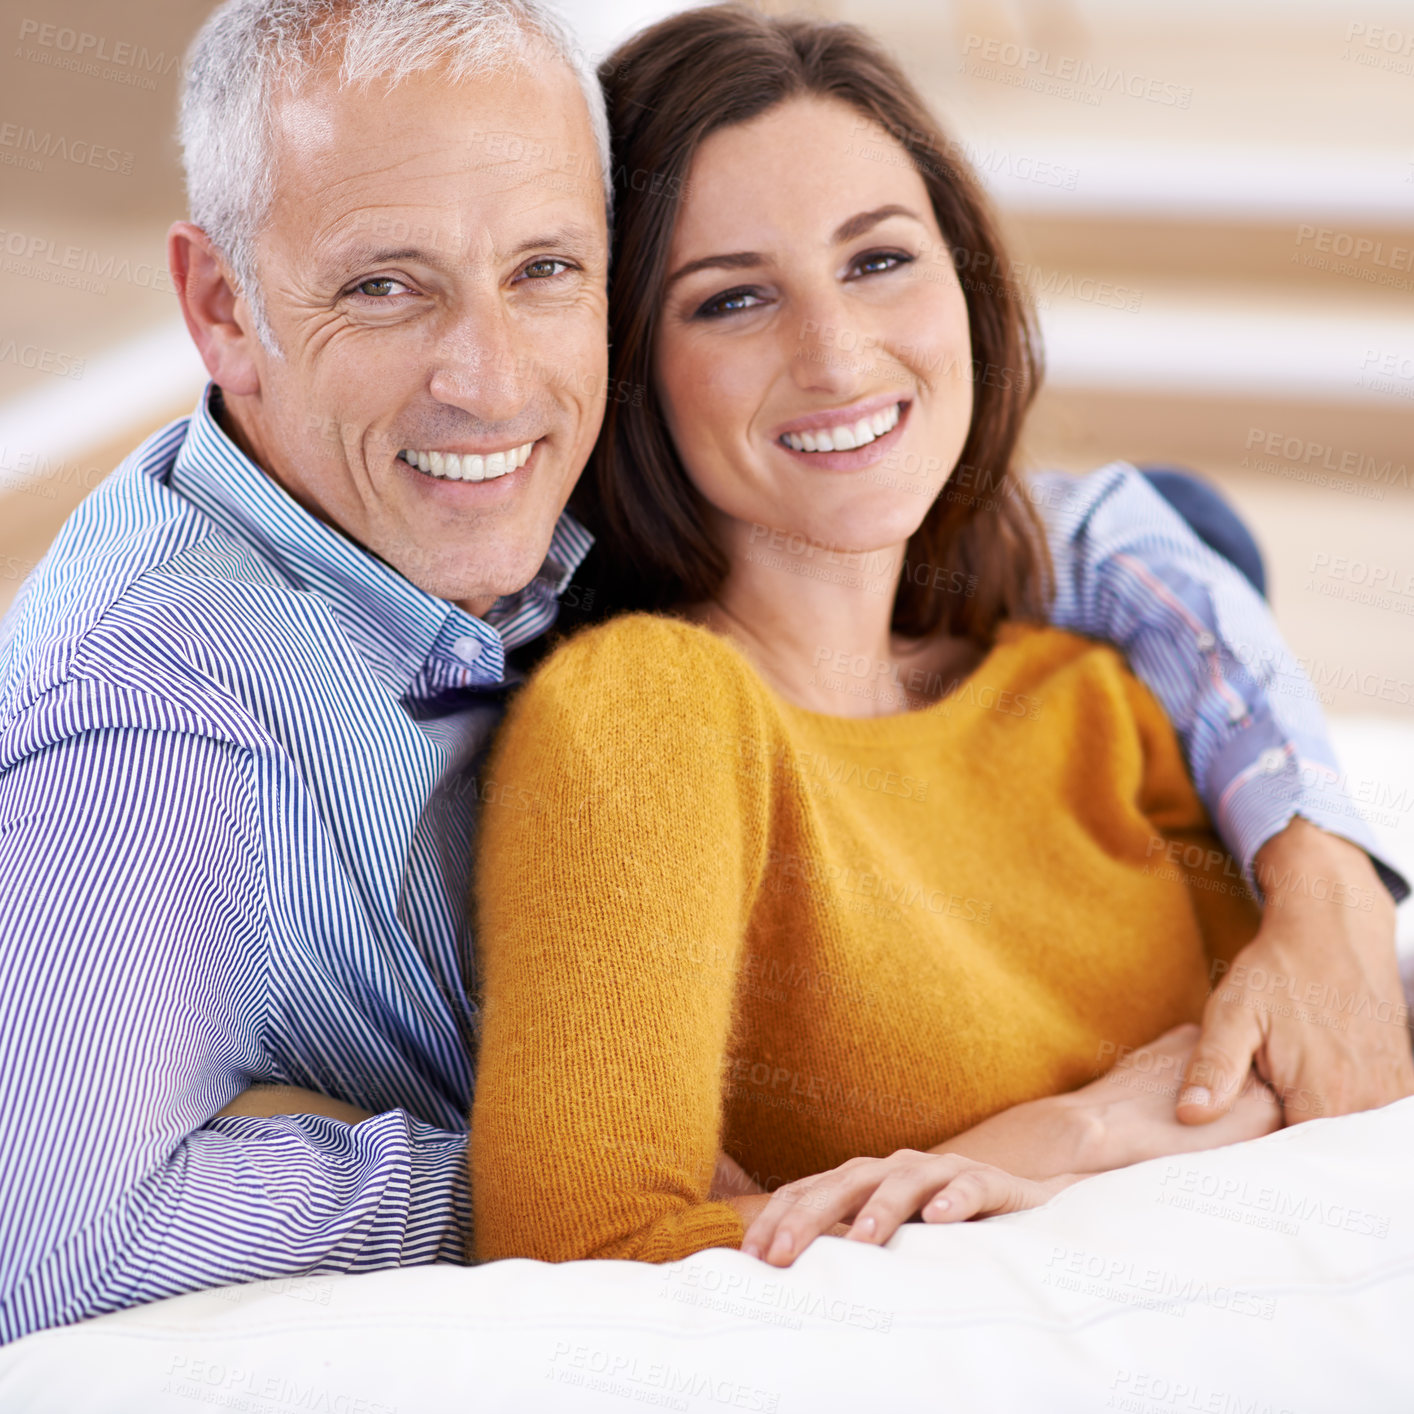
{"x": 710, "y": 919}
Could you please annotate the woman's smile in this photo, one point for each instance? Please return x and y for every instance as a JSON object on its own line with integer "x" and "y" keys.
{"x": 848, "y": 438}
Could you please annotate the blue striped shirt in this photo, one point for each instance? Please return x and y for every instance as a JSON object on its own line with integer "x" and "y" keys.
{"x": 237, "y": 800}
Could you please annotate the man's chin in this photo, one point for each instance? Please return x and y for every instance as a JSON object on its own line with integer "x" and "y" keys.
{"x": 476, "y": 595}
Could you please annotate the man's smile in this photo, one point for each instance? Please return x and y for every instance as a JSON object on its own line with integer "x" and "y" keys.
{"x": 469, "y": 466}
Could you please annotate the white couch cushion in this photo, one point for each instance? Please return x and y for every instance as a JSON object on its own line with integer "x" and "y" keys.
{"x": 1265, "y": 1277}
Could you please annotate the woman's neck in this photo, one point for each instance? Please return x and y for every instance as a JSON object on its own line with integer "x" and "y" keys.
{"x": 816, "y": 623}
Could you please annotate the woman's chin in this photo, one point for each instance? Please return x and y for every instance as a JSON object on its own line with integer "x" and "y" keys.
{"x": 867, "y": 537}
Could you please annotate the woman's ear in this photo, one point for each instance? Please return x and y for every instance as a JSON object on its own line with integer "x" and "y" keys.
{"x": 218, "y": 318}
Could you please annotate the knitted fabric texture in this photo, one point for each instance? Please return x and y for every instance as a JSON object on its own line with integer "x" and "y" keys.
{"x": 710, "y": 919}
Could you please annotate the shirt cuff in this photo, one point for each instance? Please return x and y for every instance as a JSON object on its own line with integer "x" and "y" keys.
{"x": 1266, "y": 778}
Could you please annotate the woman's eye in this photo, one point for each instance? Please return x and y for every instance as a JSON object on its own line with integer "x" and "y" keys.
{"x": 876, "y": 262}
{"x": 729, "y": 302}
{"x": 379, "y": 287}
{"x": 545, "y": 269}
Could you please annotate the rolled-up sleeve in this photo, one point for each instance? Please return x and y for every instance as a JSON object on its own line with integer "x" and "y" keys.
{"x": 1129, "y": 570}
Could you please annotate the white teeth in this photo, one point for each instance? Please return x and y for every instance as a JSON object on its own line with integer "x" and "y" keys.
{"x": 845, "y": 437}
{"x": 449, "y": 466}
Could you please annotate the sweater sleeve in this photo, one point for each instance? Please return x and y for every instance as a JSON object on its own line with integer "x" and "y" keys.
{"x": 621, "y": 845}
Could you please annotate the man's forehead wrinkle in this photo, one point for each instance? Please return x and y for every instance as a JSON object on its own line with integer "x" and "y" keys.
{"x": 415, "y": 173}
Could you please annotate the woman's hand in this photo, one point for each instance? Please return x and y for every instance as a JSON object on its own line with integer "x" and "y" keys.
{"x": 1127, "y": 1115}
{"x": 876, "y": 1195}
{"x": 1124, "y": 1117}
{"x": 730, "y": 1180}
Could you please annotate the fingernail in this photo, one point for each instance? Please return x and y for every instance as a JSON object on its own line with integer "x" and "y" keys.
{"x": 1196, "y": 1095}
{"x": 751, "y": 1250}
{"x": 865, "y": 1227}
{"x": 780, "y": 1248}
{"x": 940, "y": 1205}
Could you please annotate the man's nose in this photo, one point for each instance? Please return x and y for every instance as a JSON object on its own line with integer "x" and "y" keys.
{"x": 480, "y": 365}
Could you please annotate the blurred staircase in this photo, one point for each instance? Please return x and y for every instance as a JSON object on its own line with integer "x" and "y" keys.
{"x": 1214, "y": 207}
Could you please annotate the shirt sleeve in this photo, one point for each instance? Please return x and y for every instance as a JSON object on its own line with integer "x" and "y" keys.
{"x": 1130, "y": 571}
{"x": 133, "y": 954}
{"x": 612, "y": 891}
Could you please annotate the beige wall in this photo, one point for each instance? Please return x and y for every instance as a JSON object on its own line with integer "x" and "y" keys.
{"x": 1289, "y": 124}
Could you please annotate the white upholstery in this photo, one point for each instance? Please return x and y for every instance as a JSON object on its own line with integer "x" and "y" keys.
{"x": 1276, "y": 1275}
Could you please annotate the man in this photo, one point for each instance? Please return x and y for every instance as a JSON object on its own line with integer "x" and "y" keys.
{"x": 244, "y": 695}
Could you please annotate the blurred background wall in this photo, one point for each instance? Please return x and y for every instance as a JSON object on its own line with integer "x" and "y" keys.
{"x": 1213, "y": 201}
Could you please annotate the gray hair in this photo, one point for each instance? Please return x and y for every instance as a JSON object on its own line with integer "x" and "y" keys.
{"x": 247, "y": 48}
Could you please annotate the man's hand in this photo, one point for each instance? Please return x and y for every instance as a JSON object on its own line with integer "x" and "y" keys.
{"x": 1314, "y": 1000}
{"x": 264, "y": 1101}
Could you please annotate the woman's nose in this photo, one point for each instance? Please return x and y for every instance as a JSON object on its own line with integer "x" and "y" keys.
{"x": 828, "y": 351}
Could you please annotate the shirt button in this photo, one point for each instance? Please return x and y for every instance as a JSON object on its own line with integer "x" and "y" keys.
{"x": 1206, "y": 643}
{"x": 469, "y": 649}
{"x": 1272, "y": 761}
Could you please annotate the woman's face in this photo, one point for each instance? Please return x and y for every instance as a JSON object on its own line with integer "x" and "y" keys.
{"x": 813, "y": 357}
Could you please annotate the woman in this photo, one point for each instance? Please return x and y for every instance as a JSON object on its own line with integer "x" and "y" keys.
{"x": 842, "y": 856}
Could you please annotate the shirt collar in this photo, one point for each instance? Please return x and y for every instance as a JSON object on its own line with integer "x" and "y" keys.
{"x": 417, "y": 644}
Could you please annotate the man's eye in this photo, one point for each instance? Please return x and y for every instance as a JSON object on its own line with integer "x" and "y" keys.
{"x": 379, "y": 287}
{"x": 878, "y": 261}
{"x": 728, "y": 302}
{"x": 545, "y": 269}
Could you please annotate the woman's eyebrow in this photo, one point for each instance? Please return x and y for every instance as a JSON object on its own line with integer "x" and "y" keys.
{"x": 738, "y": 260}
{"x": 866, "y": 220}
{"x": 750, "y": 259}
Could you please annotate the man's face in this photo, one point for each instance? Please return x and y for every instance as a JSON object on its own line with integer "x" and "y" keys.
{"x": 434, "y": 271}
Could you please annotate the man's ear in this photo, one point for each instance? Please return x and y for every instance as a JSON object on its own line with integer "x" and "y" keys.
{"x": 209, "y": 305}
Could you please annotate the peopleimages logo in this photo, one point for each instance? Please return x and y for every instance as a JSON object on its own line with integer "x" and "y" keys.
{"x": 30, "y": 148}
{"x": 38, "y": 257}
{"x": 94, "y": 55}
{"x": 1065, "y": 75}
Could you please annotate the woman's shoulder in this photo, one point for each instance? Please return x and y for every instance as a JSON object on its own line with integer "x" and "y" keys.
{"x": 1041, "y": 651}
{"x": 1082, "y": 676}
{"x": 651, "y": 648}
{"x": 647, "y": 664}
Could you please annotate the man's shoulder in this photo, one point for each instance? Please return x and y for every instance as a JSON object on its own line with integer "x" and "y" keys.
{"x": 137, "y": 580}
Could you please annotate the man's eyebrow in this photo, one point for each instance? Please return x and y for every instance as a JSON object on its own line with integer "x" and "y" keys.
{"x": 361, "y": 257}
{"x": 570, "y": 235}
{"x": 356, "y": 257}
{"x": 750, "y": 259}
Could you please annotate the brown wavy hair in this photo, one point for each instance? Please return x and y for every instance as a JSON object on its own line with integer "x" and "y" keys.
{"x": 669, "y": 88}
